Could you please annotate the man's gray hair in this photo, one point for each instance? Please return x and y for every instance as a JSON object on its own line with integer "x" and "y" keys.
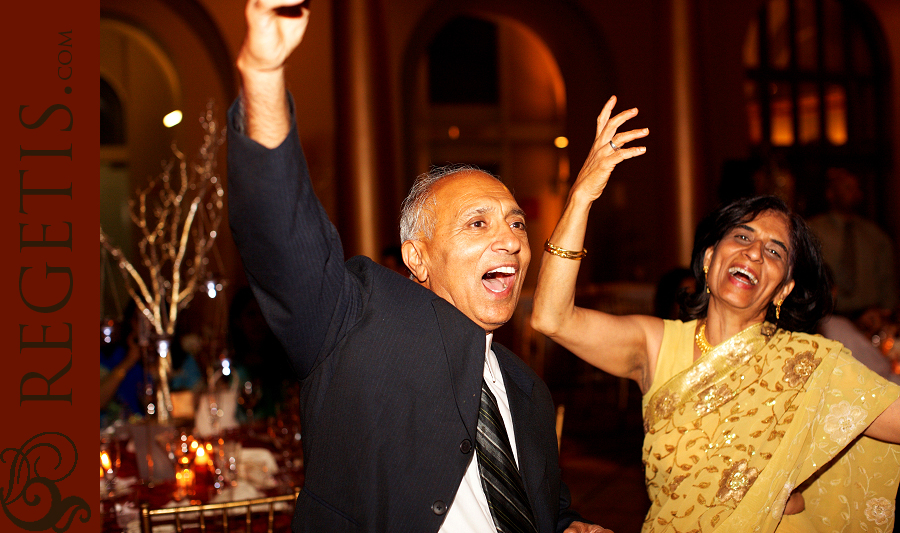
{"x": 417, "y": 213}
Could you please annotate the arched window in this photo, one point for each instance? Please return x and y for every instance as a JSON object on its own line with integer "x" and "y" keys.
{"x": 816, "y": 89}
{"x": 112, "y": 119}
{"x": 462, "y": 63}
{"x": 490, "y": 93}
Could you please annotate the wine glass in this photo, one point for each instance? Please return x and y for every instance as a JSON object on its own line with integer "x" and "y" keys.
{"x": 287, "y": 438}
{"x": 181, "y": 449}
{"x": 226, "y": 457}
{"x": 249, "y": 398}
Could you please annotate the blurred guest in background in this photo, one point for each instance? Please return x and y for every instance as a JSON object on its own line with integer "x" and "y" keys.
{"x": 856, "y": 335}
{"x": 258, "y": 358}
{"x": 186, "y": 373}
{"x": 125, "y": 384}
{"x": 671, "y": 290}
{"x": 859, "y": 253}
{"x": 122, "y": 376}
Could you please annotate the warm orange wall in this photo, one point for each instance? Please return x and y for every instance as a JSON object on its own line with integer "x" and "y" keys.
{"x": 630, "y": 57}
{"x": 888, "y": 13}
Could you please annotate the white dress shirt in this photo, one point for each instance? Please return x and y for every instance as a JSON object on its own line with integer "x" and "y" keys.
{"x": 469, "y": 511}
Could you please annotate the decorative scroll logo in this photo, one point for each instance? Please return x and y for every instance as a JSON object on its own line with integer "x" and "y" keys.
{"x": 31, "y": 499}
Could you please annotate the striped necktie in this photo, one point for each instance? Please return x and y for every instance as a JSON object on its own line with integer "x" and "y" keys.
{"x": 499, "y": 476}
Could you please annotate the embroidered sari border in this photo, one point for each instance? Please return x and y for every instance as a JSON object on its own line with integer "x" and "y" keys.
{"x": 698, "y": 380}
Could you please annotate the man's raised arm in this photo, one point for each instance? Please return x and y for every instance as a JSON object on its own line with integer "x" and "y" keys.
{"x": 274, "y": 29}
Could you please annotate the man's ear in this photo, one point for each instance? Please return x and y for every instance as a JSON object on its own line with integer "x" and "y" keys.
{"x": 412, "y": 252}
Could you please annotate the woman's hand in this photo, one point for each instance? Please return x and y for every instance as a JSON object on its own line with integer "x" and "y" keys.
{"x": 581, "y": 527}
{"x": 795, "y": 504}
{"x": 623, "y": 346}
{"x": 608, "y": 150}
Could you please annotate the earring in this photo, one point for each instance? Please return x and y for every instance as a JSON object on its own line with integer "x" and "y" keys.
{"x": 778, "y": 309}
{"x": 705, "y": 278}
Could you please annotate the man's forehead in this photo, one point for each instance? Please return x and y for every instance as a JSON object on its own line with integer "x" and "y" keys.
{"x": 469, "y": 186}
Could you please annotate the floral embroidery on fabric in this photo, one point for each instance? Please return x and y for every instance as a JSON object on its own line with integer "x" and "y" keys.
{"x": 740, "y": 356}
{"x": 711, "y": 398}
{"x": 797, "y": 369}
{"x": 665, "y": 404}
{"x": 677, "y": 481}
{"x": 879, "y": 510}
{"x": 842, "y": 420}
{"x": 727, "y": 444}
{"x": 736, "y": 480}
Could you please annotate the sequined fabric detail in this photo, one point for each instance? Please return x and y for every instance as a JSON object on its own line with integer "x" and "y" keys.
{"x": 713, "y": 397}
{"x": 797, "y": 369}
{"x": 879, "y": 510}
{"x": 736, "y": 480}
{"x": 727, "y": 444}
{"x": 842, "y": 420}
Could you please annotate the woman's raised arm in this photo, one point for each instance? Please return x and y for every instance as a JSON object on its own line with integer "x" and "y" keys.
{"x": 625, "y": 346}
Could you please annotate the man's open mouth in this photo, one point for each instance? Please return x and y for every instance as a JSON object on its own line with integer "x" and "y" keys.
{"x": 499, "y": 279}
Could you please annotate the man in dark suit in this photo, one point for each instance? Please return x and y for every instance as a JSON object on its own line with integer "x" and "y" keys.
{"x": 392, "y": 370}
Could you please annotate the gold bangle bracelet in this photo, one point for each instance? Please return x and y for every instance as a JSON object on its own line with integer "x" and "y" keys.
{"x": 562, "y": 252}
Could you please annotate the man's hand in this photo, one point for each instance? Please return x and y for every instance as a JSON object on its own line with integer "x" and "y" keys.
{"x": 581, "y": 527}
{"x": 274, "y": 29}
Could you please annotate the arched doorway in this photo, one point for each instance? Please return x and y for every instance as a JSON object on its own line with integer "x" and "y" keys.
{"x": 157, "y": 56}
{"x": 490, "y": 93}
{"x": 139, "y": 85}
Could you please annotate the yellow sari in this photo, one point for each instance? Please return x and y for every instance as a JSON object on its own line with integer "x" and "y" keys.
{"x": 730, "y": 436}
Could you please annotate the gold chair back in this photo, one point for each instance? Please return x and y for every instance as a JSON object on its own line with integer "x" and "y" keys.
{"x": 209, "y": 513}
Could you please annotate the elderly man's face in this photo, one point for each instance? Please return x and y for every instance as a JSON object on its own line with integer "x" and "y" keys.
{"x": 478, "y": 255}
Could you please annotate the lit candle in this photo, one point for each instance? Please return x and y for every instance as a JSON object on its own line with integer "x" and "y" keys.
{"x": 201, "y": 459}
{"x": 184, "y": 478}
{"x": 105, "y": 462}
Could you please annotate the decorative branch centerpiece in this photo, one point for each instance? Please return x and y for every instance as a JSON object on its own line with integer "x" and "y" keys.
{"x": 178, "y": 215}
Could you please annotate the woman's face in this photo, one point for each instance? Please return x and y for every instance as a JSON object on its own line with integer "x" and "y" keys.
{"x": 748, "y": 266}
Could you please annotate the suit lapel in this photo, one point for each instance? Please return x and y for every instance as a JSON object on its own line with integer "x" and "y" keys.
{"x": 519, "y": 386}
{"x": 464, "y": 347}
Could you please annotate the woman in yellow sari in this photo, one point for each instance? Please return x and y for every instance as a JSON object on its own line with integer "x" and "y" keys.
{"x": 751, "y": 424}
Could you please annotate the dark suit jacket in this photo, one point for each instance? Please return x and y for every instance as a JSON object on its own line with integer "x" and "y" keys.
{"x": 390, "y": 373}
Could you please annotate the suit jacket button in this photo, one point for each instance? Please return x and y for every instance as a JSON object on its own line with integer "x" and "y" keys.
{"x": 465, "y": 446}
{"x": 439, "y": 507}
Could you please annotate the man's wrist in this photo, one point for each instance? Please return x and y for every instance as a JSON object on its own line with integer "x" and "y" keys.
{"x": 265, "y": 111}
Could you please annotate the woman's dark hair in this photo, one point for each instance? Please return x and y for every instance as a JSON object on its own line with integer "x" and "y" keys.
{"x": 808, "y": 302}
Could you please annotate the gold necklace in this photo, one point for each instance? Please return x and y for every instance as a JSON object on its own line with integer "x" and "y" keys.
{"x": 702, "y": 343}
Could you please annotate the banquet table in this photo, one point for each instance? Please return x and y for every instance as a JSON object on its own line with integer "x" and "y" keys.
{"x": 268, "y": 465}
